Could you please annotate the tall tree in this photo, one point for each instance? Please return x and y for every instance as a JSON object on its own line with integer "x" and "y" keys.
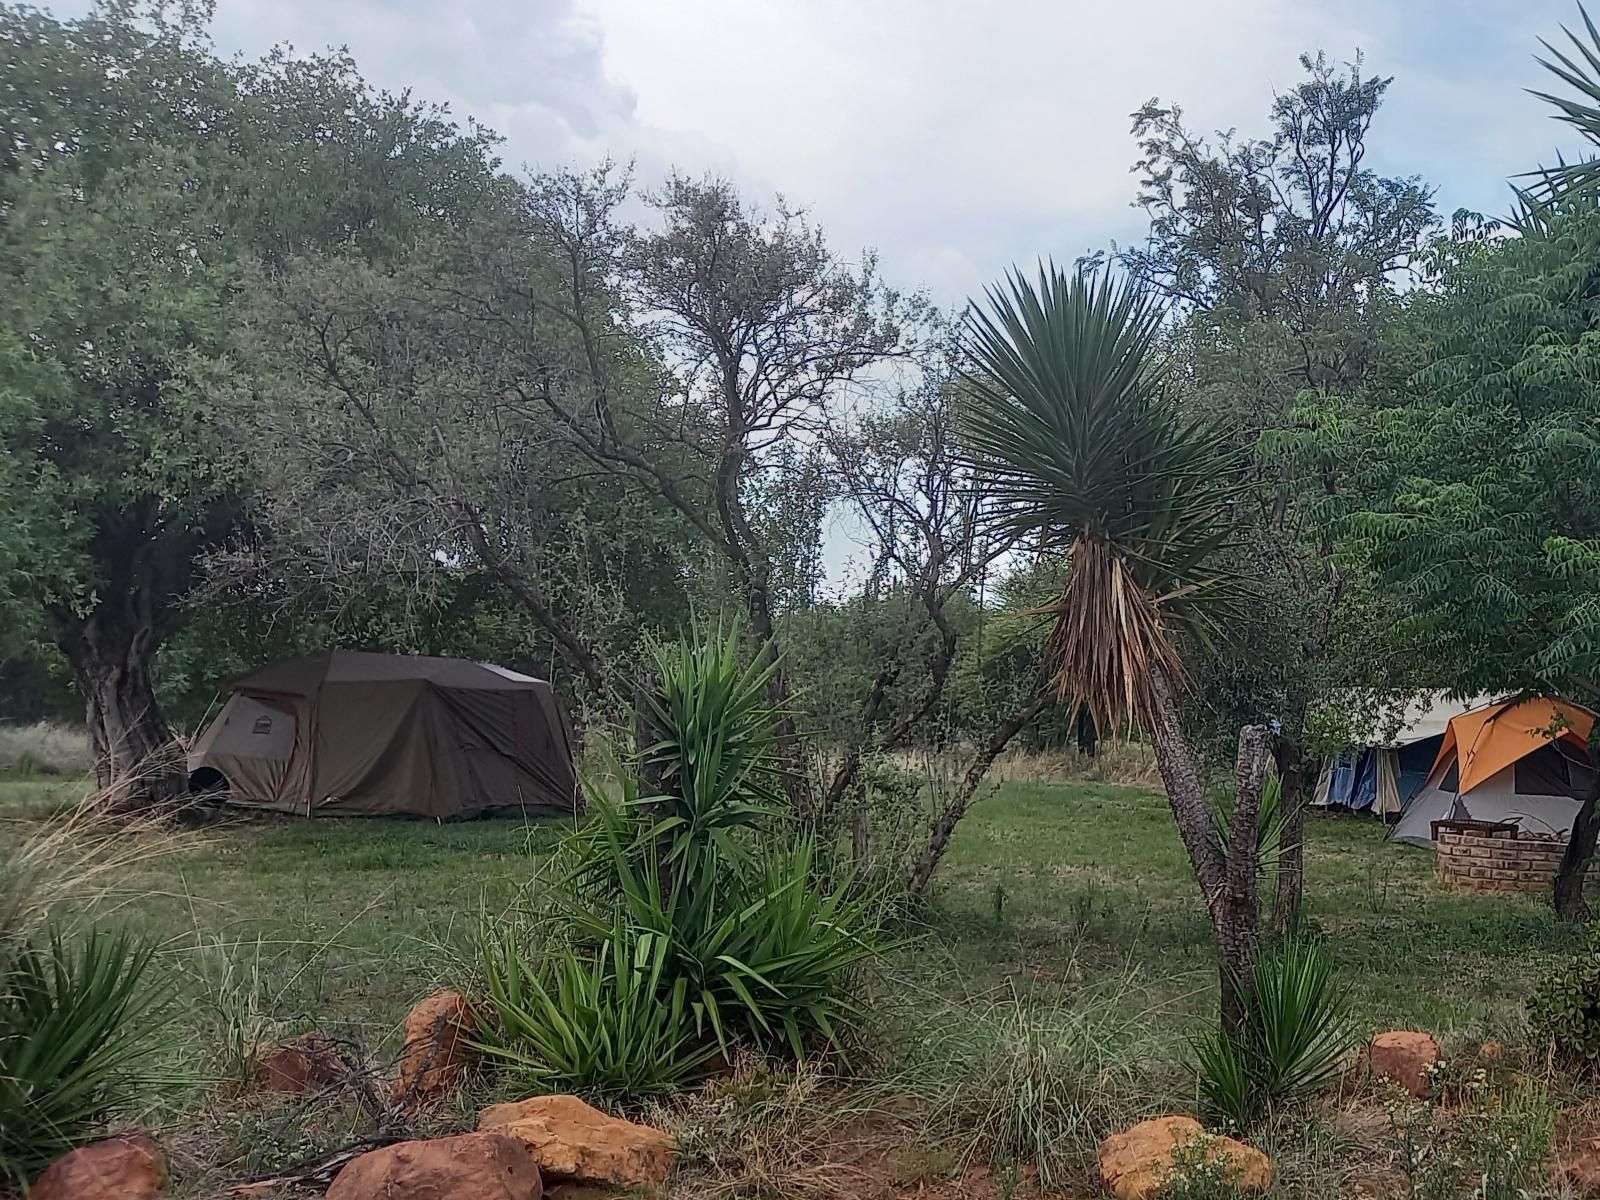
{"x": 1075, "y": 427}
{"x": 1473, "y": 469}
{"x": 414, "y": 401}
{"x": 1283, "y": 255}
{"x": 135, "y": 172}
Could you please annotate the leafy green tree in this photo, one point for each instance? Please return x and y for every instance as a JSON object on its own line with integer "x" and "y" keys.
{"x": 1475, "y": 474}
{"x": 138, "y": 171}
{"x": 1074, "y": 425}
{"x": 1283, "y": 255}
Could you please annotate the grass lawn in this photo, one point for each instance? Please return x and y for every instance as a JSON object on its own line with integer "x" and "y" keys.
{"x": 1050, "y": 890}
{"x": 1064, "y": 884}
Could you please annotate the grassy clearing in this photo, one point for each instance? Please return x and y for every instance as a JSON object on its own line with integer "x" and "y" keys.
{"x": 1062, "y": 959}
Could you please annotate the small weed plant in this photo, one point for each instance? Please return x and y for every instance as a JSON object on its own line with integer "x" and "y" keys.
{"x": 1199, "y": 1173}
{"x": 1490, "y": 1148}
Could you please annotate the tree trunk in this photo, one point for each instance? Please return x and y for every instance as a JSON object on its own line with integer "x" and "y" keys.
{"x": 1237, "y": 916}
{"x": 1291, "y": 851}
{"x": 1574, "y": 870}
{"x": 136, "y": 760}
{"x": 1087, "y": 735}
{"x": 1228, "y": 885}
{"x": 956, "y": 807}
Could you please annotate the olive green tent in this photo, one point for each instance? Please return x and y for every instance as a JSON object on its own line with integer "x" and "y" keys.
{"x": 351, "y": 733}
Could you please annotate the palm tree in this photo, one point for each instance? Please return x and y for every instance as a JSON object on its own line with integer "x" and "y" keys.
{"x": 1072, "y": 425}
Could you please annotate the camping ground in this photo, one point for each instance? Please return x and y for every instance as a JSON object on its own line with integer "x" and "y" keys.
{"x": 1062, "y": 944}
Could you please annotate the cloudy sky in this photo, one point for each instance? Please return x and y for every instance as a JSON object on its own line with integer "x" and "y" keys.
{"x": 955, "y": 137}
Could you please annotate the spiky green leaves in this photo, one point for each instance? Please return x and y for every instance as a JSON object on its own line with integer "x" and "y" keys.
{"x": 1079, "y": 444}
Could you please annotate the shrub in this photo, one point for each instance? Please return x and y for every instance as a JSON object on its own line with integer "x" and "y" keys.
{"x": 70, "y": 1014}
{"x": 688, "y": 875}
{"x": 1565, "y": 1006}
{"x": 1294, "y": 1039}
{"x": 606, "y": 1023}
{"x": 1490, "y": 1149}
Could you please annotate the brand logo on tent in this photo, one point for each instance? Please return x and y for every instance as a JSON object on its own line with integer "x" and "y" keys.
{"x": 262, "y": 725}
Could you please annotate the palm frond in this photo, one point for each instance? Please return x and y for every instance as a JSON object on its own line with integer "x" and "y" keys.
{"x": 1077, "y": 441}
{"x": 1578, "y": 67}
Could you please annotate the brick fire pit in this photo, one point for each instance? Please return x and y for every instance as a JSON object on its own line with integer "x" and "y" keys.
{"x": 1480, "y": 856}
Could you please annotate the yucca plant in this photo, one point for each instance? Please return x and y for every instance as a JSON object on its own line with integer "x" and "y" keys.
{"x": 1081, "y": 446}
{"x": 707, "y": 763}
{"x": 1269, "y": 824}
{"x": 606, "y": 1023}
{"x": 1566, "y": 185}
{"x": 1294, "y": 1039}
{"x": 768, "y": 956}
{"x": 71, "y": 1041}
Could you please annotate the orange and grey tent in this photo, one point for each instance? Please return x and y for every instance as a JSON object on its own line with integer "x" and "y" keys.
{"x": 1523, "y": 761}
{"x": 349, "y": 733}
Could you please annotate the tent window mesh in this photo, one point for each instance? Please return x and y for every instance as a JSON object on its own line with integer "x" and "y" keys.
{"x": 1551, "y": 770}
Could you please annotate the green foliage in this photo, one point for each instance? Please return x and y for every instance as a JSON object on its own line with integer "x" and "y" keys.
{"x": 1294, "y": 1039}
{"x": 140, "y": 172}
{"x": 1565, "y": 1005}
{"x": 1475, "y": 467}
{"x": 608, "y": 1022}
{"x": 72, "y": 1038}
{"x": 1077, "y": 442}
{"x": 1490, "y": 1148}
{"x": 716, "y": 905}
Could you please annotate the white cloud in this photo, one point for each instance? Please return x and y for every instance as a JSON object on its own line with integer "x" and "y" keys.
{"x": 954, "y": 136}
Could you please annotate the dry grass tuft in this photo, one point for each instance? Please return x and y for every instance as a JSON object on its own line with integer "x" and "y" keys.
{"x": 770, "y": 1130}
{"x": 69, "y": 865}
{"x": 1132, "y": 764}
{"x": 44, "y": 748}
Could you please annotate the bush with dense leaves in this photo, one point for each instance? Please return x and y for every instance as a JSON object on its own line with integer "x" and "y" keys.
{"x": 1565, "y": 1007}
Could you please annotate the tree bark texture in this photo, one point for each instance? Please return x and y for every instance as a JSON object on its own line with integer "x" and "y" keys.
{"x": 1574, "y": 870}
{"x": 1237, "y": 915}
{"x": 136, "y": 760}
{"x": 1293, "y": 796}
{"x": 1227, "y": 882}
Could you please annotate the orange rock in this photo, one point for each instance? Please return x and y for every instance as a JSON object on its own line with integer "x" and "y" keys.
{"x": 1138, "y": 1163}
{"x": 306, "y": 1064}
{"x": 119, "y": 1168}
{"x": 471, "y": 1166}
{"x": 1404, "y": 1057}
{"x": 571, "y": 1140}
{"x": 436, "y": 1046}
